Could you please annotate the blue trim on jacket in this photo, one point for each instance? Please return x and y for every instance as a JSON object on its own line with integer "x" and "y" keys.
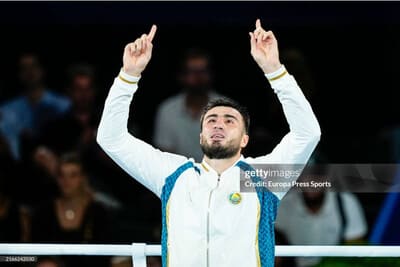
{"x": 165, "y": 194}
{"x": 269, "y": 206}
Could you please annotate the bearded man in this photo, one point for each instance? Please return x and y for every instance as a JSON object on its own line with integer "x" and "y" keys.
{"x": 206, "y": 220}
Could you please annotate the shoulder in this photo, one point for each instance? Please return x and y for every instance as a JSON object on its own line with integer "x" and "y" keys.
{"x": 12, "y": 104}
{"x": 350, "y": 200}
{"x": 172, "y": 103}
{"x": 59, "y": 100}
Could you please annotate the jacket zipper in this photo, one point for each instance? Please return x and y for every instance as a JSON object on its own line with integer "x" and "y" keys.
{"x": 208, "y": 221}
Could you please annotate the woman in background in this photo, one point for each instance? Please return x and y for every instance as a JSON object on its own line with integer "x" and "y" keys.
{"x": 74, "y": 216}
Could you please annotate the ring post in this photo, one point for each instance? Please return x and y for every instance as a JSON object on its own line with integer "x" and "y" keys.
{"x": 139, "y": 254}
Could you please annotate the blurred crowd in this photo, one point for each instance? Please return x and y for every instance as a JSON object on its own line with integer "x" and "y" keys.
{"x": 57, "y": 186}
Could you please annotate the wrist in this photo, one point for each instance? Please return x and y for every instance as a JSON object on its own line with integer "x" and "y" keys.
{"x": 132, "y": 72}
{"x": 277, "y": 74}
{"x": 271, "y": 68}
{"x": 128, "y": 77}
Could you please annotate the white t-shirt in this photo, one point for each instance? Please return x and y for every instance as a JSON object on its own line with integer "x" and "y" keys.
{"x": 176, "y": 129}
{"x": 302, "y": 227}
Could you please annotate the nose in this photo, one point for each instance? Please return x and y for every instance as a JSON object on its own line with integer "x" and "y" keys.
{"x": 219, "y": 123}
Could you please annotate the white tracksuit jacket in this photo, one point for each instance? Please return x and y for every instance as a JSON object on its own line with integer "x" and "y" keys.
{"x": 201, "y": 226}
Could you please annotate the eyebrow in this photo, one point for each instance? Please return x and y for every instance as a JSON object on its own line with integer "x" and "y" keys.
{"x": 225, "y": 116}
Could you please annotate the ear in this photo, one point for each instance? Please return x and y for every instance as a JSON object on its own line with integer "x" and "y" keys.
{"x": 244, "y": 141}
{"x": 201, "y": 138}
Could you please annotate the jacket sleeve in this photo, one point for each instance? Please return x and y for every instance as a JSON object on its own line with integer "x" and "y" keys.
{"x": 147, "y": 165}
{"x": 296, "y": 146}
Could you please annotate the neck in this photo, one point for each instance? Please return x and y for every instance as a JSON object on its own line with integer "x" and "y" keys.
{"x": 75, "y": 199}
{"x": 221, "y": 165}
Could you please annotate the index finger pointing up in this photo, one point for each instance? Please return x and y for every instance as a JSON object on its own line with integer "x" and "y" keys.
{"x": 258, "y": 24}
{"x": 152, "y": 32}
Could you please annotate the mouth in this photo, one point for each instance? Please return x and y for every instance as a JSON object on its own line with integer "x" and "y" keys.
{"x": 217, "y": 137}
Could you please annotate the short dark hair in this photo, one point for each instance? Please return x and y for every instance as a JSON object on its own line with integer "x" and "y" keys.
{"x": 227, "y": 102}
{"x": 80, "y": 69}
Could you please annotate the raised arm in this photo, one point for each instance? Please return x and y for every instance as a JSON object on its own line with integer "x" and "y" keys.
{"x": 297, "y": 146}
{"x": 146, "y": 164}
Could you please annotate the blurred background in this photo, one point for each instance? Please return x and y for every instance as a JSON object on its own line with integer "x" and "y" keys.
{"x": 58, "y": 61}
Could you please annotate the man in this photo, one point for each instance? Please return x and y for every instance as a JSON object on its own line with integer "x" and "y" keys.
{"x": 22, "y": 118}
{"x": 183, "y": 110}
{"x": 77, "y": 127}
{"x": 206, "y": 221}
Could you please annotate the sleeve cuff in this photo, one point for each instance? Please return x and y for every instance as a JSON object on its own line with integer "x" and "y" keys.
{"x": 279, "y": 73}
{"x": 126, "y": 78}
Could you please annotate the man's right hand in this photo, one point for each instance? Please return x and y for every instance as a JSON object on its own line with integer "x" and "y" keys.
{"x": 138, "y": 54}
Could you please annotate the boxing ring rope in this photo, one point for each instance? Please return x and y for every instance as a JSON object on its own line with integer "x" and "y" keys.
{"x": 139, "y": 251}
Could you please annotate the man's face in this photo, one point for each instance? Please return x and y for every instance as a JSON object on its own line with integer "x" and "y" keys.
{"x": 30, "y": 71}
{"x": 82, "y": 91}
{"x": 223, "y": 134}
{"x": 196, "y": 77}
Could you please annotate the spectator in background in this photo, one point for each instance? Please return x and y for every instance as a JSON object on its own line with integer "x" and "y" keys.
{"x": 23, "y": 116}
{"x": 77, "y": 127}
{"x": 76, "y": 130}
{"x": 74, "y": 216}
{"x": 320, "y": 218}
{"x": 177, "y": 121}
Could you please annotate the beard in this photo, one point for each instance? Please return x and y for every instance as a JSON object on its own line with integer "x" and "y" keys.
{"x": 218, "y": 151}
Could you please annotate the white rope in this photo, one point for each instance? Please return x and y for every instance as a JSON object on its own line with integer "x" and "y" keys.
{"x": 155, "y": 250}
{"x": 338, "y": 251}
{"x": 138, "y": 251}
{"x": 69, "y": 249}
